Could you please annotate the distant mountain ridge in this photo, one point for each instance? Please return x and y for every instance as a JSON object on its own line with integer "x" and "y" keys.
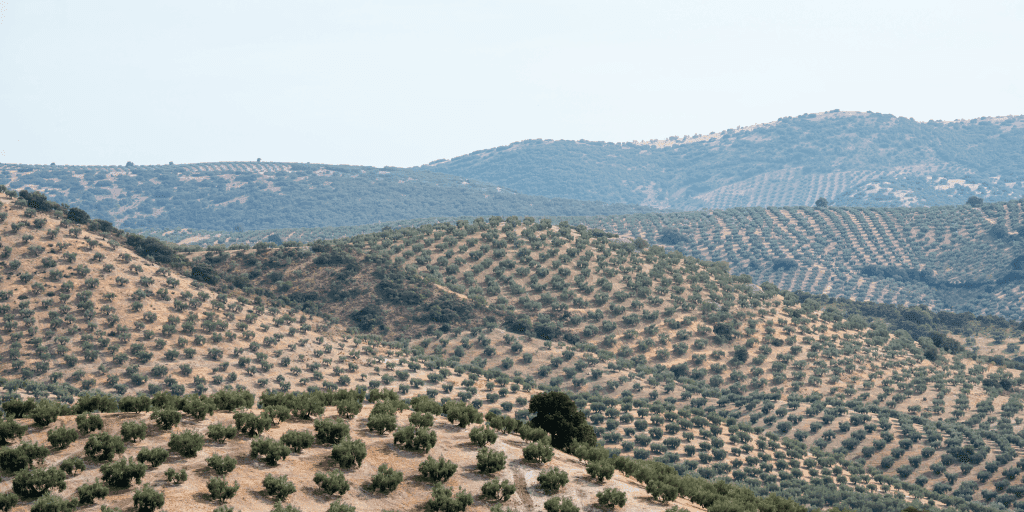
{"x": 237, "y": 196}
{"x": 850, "y": 158}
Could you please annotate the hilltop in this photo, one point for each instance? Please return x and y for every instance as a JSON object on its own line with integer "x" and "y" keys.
{"x": 849, "y": 158}
{"x": 671, "y": 359}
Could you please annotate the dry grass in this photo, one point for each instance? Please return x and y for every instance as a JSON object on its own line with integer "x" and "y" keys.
{"x": 412, "y": 493}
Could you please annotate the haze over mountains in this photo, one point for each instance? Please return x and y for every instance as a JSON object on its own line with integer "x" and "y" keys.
{"x": 850, "y": 158}
{"x": 603, "y": 290}
{"x": 947, "y": 257}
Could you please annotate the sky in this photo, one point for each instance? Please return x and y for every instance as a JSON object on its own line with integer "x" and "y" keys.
{"x": 404, "y": 83}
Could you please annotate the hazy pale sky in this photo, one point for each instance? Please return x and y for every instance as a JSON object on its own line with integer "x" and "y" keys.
{"x": 404, "y": 83}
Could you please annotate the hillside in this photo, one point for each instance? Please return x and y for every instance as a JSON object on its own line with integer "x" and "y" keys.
{"x": 670, "y": 358}
{"x": 452, "y": 443}
{"x": 245, "y": 196}
{"x": 850, "y": 158}
{"x": 954, "y": 258}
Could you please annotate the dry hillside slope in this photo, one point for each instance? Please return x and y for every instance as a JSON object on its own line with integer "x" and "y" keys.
{"x": 670, "y": 358}
{"x": 453, "y": 444}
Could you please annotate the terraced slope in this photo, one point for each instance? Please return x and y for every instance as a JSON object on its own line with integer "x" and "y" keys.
{"x": 954, "y": 258}
{"x": 670, "y": 358}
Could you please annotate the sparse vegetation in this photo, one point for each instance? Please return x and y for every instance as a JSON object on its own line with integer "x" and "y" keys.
{"x": 699, "y": 374}
{"x": 385, "y": 480}
{"x": 437, "y": 470}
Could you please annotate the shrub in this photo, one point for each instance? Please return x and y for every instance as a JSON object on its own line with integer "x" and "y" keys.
{"x": 538, "y": 452}
{"x": 269, "y": 450}
{"x": 588, "y": 452}
{"x": 218, "y": 433}
{"x": 221, "y": 464}
{"x": 18, "y": 407}
{"x": 490, "y": 461}
{"x": 103, "y": 446}
{"x": 252, "y": 425}
{"x": 121, "y": 473}
{"x": 444, "y": 499}
{"x": 503, "y": 423}
{"x": 71, "y": 465}
{"x": 50, "y": 502}
{"x": 89, "y": 493}
{"x": 382, "y": 422}
{"x": 197, "y": 407}
{"x": 662, "y": 490}
{"x": 560, "y": 505}
{"x": 421, "y": 419}
{"x": 231, "y": 399}
{"x": 552, "y": 480}
{"x": 7, "y": 501}
{"x": 495, "y": 490}
{"x": 438, "y": 470}
{"x": 12, "y": 460}
{"x": 176, "y": 477}
{"x": 139, "y": 403}
{"x": 297, "y": 440}
{"x": 24, "y": 455}
{"x": 47, "y": 411}
{"x": 610, "y": 498}
{"x": 462, "y": 414}
{"x": 10, "y": 429}
{"x": 412, "y": 438}
{"x": 166, "y": 418}
{"x": 278, "y": 487}
{"x": 147, "y": 499}
{"x": 152, "y": 456}
{"x": 220, "y": 490}
{"x": 331, "y": 483}
{"x": 425, "y": 404}
{"x": 33, "y": 483}
{"x": 330, "y": 431}
{"x": 600, "y": 470}
{"x": 338, "y": 506}
{"x": 482, "y": 436}
{"x": 133, "y": 431}
{"x": 187, "y": 443}
{"x": 88, "y": 423}
{"x": 349, "y": 408}
{"x": 385, "y": 480}
{"x": 529, "y": 433}
{"x": 349, "y": 453}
